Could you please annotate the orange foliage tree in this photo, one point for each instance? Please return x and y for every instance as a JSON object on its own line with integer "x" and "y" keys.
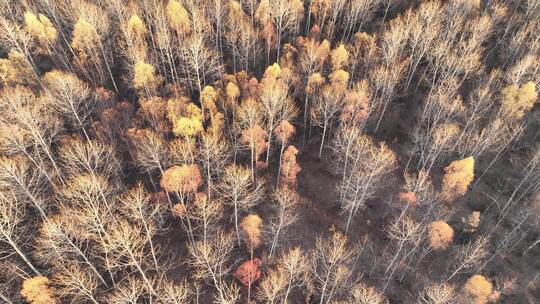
{"x": 284, "y": 131}
{"x": 36, "y": 291}
{"x": 290, "y": 167}
{"x": 251, "y": 226}
{"x": 458, "y": 177}
{"x": 478, "y": 290}
{"x": 440, "y": 235}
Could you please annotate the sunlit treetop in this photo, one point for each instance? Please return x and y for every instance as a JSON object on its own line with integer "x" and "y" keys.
{"x": 136, "y": 27}
{"x": 178, "y": 17}
{"x": 272, "y": 72}
{"x": 182, "y": 179}
{"x": 85, "y": 37}
{"x": 339, "y": 79}
{"x": 36, "y": 291}
{"x": 339, "y": 57}
{"x": 479, "y": 290}
{"x": 458, "y": 177}
{"x": 144, "y": 75}
{"x": 315, "y": 81}
{"x": 188, "y": 127}
{"x": 232, "y": 92}
{"x": 209, "y": 97}
{"x": 40, "y": 27}
{"x": 517, "y": 100}
{"x": 441, "y": 235}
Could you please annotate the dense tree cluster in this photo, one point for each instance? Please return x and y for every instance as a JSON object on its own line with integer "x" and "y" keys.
{"x": 269, "y": 151}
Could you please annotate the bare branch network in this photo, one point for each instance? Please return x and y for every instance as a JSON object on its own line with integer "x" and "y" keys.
{"x": 269, "y": 151}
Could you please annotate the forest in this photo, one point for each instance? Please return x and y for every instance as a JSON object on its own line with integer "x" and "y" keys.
{"x": 269, "y": 151}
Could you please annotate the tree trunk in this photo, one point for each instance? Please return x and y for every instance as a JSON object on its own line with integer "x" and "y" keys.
{"x": 279, "y": 167}
{"x": 23, "y": 256}
{"x": 322, "y": 140}
{"x": 236, "y": 223}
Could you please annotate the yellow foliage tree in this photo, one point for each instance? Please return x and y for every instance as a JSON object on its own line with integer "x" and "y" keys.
{"x": 271, "y": 73}
{"x": 187, "y": 127}
{"x": 186, "y": 117}
{"x": 85, "y": 38}
{"x": 193, "y": 110}
{"x": 15, "y": 70}
{"x": 440, "y": 235}
{"x": 339, "y": 57}
{"x": 175, "y": 107}
{"x": 515, "y": 100}
{"x": 339, "y": 80}
{"x": 144, "y": 76}
{"x": 209, "y": 97}
{"x": 458, "y": 176}
{"x": 36, "y": 291}
{"x": 178, "y": 17}
{"x": 40, "y": 27}
{"x": 136, "y": 27}
{"x": 315, "y": 81}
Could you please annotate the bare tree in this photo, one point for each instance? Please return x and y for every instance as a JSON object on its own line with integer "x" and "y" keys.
{"x": 467, "y": 256}
{"x": 70, "y": 97}
{"x": 211, "y": 263}
{"x": 88, "y": 199}
{"x": 94, "y": 158}
{"x": 294, "y": 264}
{"x": 239, "y": 192}
{"x": 173, "y": 292}
{"x": 272, "y": 287}
{"x": 206, "y": 214}
{"x": 59, "y": 245}
{"x": 438, "y": 294}
{"x": 75, "y": 284}
{"x": 406, "y": 233}
{"x": 132, "y": 290}
{"x": 214, "y": 151}
{"x": 128, "y": 247}
{"x": 364, "y": 166}
{"x": 363, "y": 294}
{"x": 202, "y": 62}
{"x": 276, "y": 103}
{"x": 137, "y": 207}
{"x": 12, "y": 230}
{"x": 333, "y": 266}
{"x": 285, "y": 201}
{"x": 30, "y": 129}
{"x": 149, "y": 151}
{"x": 325, "y": 110}
{"x": 27, "y": 184}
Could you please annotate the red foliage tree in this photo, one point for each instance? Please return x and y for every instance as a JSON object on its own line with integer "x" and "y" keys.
{"x": 249, "y": 271}
{"x": 290, "y": 167}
